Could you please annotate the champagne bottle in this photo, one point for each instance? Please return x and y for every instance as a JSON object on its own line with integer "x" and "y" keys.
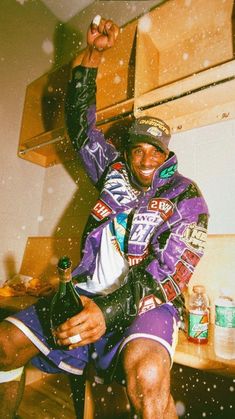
{"x": 66, "y": 303}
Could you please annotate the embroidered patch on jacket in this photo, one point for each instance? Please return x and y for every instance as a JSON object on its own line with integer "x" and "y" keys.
{"x": 134, "y": 260}
{"x": 101, "y": 210}
{"x": 168, "y": 172}
{"x": 182, "y": 275}
{"x": 117, "y": 166}
{"x": 143, "y": 226}
{"x": 148, "y": 303}
{"x": 190, "y": 257}
{"x": 162, "y": 205}
{"x": 195, "y": 236}
{"x": 118, "y": 187}
{"x": 170, "y": 288}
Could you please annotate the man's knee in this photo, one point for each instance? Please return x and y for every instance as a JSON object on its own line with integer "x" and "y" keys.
{"x": 7, "y": 352}
{"x": 147, "y": 365}
{"x": 15, "y": 348}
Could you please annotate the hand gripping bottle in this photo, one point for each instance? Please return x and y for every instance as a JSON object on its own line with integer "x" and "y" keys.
{"x": 198, "y": 320}
{"x": 224, "y": 335}
{"x": 66, "y": 302}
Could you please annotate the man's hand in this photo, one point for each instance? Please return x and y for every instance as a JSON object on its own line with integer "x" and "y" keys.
{"x": 89, "y": 324}
{"x": 101, "y": 35}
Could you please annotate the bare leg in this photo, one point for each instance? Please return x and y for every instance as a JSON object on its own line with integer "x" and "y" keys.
{"x": 147, "y": 367}
{"x": 15, "y": 351}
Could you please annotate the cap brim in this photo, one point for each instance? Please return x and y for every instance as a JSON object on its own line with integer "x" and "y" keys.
{"x": 135, "y": 139}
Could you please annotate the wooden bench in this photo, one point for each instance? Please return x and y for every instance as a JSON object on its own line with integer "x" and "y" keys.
{"x": 40, "y": 259}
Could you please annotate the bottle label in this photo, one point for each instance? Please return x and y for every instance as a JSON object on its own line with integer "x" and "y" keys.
{"x": 198, "y": 325}
{"x": 225, "y": 316}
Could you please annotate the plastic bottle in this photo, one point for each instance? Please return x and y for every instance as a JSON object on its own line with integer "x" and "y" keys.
{"x": 198, "y": 320}
{"x": 66, "y": 302}
{"x": 224, "y": 335}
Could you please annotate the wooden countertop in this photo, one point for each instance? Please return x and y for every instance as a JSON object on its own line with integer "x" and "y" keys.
{"x": 203, "y": 356}
{"x": 187, "y": 353}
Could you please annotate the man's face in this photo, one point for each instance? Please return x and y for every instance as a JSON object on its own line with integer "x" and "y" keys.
{"x": 144, "y": 159}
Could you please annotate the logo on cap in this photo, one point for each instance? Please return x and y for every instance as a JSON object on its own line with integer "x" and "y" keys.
{"x": 161, "y": 125}
{"x": 154, "y": 131}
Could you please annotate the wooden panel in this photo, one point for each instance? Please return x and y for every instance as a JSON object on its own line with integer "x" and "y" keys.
{"x": 115, "y": 80}
{"x": 205, "y": 98}
{"x": 43, "y": 138}
{"x": 42, "y": 253}
{"x": 54, "y": 146}
{"x": 44, "y": 102}
{"x": 180, "y": 38}
{"x": 202, "y": 356}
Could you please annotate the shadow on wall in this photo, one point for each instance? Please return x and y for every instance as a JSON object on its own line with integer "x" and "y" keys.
{"x": 67, "y": 44}
{"x": 9, "y": 265}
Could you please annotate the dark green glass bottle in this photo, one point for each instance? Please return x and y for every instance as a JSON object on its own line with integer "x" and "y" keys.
{"x": 66, "y": 302}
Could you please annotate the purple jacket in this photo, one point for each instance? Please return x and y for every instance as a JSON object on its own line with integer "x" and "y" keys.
{"x": 167, "y": 233}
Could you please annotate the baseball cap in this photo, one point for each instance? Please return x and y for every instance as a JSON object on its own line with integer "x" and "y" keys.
{"x": 147, "y": 129}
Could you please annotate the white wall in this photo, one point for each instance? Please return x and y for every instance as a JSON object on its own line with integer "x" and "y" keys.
{"x": 27, "y": 30}
{"x": 206, "y": 155}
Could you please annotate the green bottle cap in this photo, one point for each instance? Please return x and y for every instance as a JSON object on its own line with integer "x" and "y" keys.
{"x": 64, "y": 262}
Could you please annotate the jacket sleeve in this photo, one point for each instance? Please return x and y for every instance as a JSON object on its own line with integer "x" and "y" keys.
{"x": 165, "y": 273}
{"x": 80, "y": 116}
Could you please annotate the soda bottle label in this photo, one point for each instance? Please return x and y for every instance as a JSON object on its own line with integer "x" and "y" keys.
{"x": 225, "y": 316}
{"x": 198, "y": 326}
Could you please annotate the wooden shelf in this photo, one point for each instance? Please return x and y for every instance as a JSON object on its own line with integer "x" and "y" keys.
{"x": 181, "y": 38}
{"x": 205, "y": 98}
{"x": 202, "y": 356}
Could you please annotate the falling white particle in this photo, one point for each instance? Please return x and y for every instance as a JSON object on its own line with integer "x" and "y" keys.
{"x": 231, "y": 388}
{"x": 47, "y": 46}
{"x": 206, "y": 63}
{"x": 50, "y": 190}
{"x": 21, "y": 1}
{"x": 53, "y": 260}
{"x": 40, "y": 218}
{"x": 94, "y": 355}
{"x": 185, "y": 56}
{"x": 117, "y": 79}
{"x": 23, "y": 227}
{"x": 180, "y": 408}
{"x": 121, "y": 62}
{"x": 109, "y": 389}
{"x": 145, "y": 24}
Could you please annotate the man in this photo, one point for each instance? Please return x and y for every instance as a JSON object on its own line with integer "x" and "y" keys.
{"x": 142, "y": 241}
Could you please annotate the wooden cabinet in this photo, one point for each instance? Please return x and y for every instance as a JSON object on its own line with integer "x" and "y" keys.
{"x": 190, "y": 80}
{"x": 43, "y": 138}
{"x": 174, "y": 62}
